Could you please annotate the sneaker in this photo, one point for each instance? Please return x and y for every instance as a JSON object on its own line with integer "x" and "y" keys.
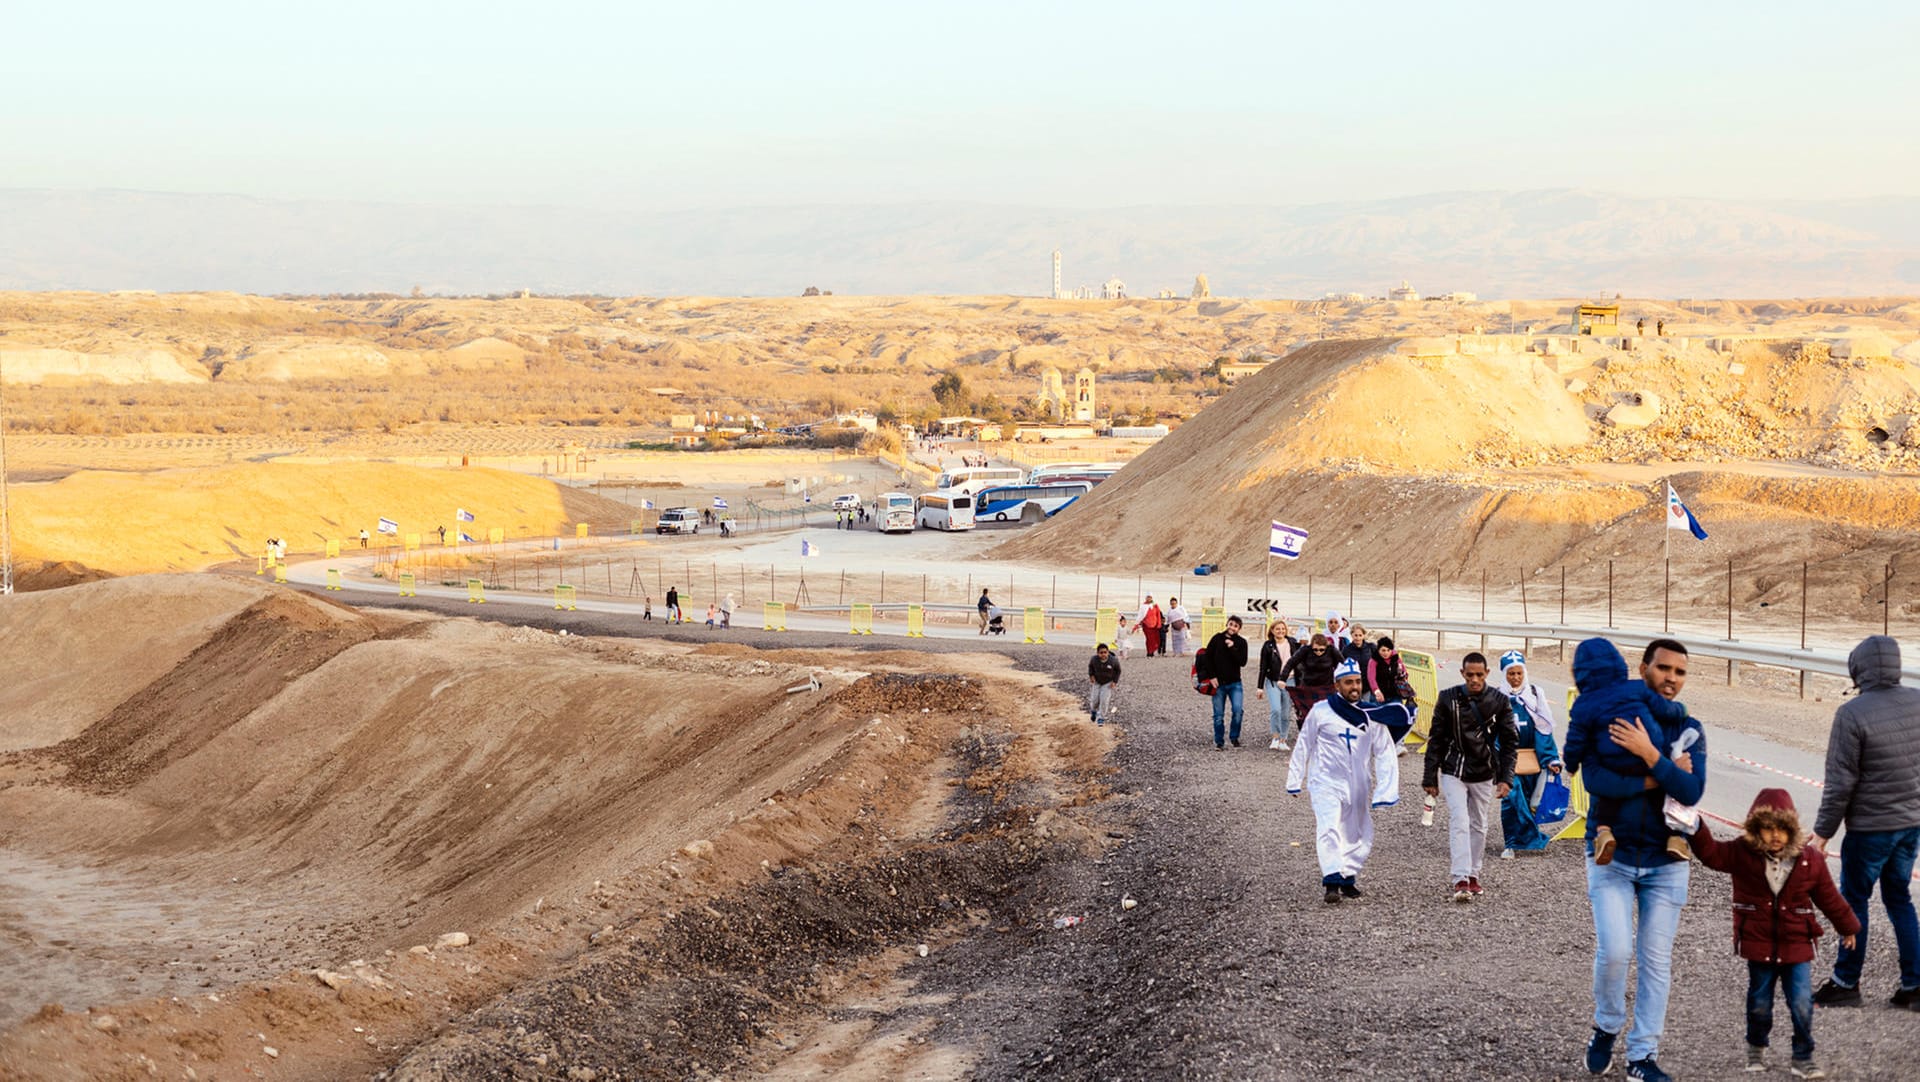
{"x": 1600, "y": 1051}
{"x": 1646, "y": 1070}
{"x": 1832, "y": 994}
{"x": 1473, "y": 884}
{"x": 1463, "y": 891}
{"x": 1350, "y": 890}
{"x": 1906, "y": 997}
{"x": 1333, "y": 896}
{"x": 1235, "y": 743}
{"x": 1603, "y": 845}
{"x": 1678, "y": 847}
{"x": 1506, "y": 854}
{"x": 1805, "y": 1068}
{"x": 1756, "y": 1058}
{"x": 1401, "y": 751}
{"x": 1277, "y": 745}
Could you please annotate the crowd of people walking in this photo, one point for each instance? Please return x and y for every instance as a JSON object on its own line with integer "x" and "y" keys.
{"x": 1493, "y": 741}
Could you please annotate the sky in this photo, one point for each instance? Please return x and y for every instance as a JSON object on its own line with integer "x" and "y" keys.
{"x": 718, "y": 104}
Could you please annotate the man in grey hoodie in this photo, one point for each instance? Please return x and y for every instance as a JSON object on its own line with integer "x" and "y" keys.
{"x": 1873, "y": 786}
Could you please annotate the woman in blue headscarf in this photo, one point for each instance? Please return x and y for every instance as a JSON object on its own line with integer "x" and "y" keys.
{"x": 1533, "y": 720}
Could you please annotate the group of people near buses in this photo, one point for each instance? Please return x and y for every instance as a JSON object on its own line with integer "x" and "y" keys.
{"x": 1347, "y": 705}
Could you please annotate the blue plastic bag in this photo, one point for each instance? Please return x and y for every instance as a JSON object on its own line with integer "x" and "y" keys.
{"x": 1554, "y": 798}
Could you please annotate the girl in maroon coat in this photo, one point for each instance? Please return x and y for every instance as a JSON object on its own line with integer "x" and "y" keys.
{"x": 1778, "y": 879}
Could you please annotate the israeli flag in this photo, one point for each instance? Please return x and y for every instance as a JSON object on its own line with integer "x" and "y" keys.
{"x": 1286, "y": 541}
{"x": 387, "y": 525}
{"x": 646, "y": 505}
{"x": 719, "y": 504}
{"x": 1679, "y": 518}
{"x": 463, "y": 514}
{"x": 466, "y": 537}
{"x": 807, "y": 548}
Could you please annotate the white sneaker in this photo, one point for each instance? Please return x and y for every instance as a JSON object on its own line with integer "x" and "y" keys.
{"x": 1401, "y": 750}
{"x": 1506, "y": 854}
{"x": 1277, "y": 745}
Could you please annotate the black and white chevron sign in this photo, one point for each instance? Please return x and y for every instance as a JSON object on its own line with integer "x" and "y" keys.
{"x": 1258, "y": 604}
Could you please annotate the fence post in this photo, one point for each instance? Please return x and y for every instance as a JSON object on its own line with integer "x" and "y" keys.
{"x": 1886, "y": 600}
{"x": 1609, "y": 595}
{"x": 1349, "y": 595}
{"x": 1803, "y": 624}
{"x": 883, "y": 586}
{"x": 1396, "y": 593}
{"x": 1729, "y": 619}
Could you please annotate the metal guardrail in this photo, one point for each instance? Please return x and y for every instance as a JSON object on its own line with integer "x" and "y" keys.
{"x": 1825, "y": 662}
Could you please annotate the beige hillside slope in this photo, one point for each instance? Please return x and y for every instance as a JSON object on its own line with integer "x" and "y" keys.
{"x": 181, "y": 519}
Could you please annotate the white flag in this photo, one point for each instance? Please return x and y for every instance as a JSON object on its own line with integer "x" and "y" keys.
{"x": 1679, "y": 518}
{"x": 1286, "y": 541}
{"x": 387, "y": 525}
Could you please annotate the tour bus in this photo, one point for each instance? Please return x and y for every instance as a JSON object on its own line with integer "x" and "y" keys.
{"x": 970, "y": 479}
{"x": 895, "y": 512}
{"x": 944, "y": 511}
{"x": 1011, "y": 503}
{"x": 1094, "y": 472}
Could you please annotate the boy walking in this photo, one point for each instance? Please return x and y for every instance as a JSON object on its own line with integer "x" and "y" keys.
{"x": 1470, "y": 754}
{"x": 1777, "y": 880}
{"x": 1103, "y": 676}
{"x": 1226, "y": 656}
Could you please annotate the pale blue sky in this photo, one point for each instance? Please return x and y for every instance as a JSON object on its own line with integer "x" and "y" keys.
{"x": 717, "y": 104}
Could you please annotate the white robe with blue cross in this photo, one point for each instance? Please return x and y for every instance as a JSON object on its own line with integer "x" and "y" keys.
{"x": 1346, "y": 760}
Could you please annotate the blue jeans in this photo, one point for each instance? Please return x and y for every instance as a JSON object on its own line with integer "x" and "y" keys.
{"x": 1885, "y": 857}
{"x": 1796, "y": 984}
{"x": 1221, "y": 695}
{"x": 1618, "y": 891}
{"x": 1279, "y": 710}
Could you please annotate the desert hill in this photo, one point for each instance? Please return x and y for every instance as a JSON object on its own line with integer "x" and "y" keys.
{"x": 1415, "y": 455}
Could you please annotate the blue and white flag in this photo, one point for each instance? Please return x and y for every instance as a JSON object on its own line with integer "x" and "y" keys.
{"x": 1286, "y": 541}
{"x": 463, "y": 514}
{"x": 1679, "y": 518}
{"x": 466, "y": 537}
{"x": 387, "y": 525}
{"x": 646, "y": 505}
{"x": 807, "y": 548}
{"x": 719, "y": 503}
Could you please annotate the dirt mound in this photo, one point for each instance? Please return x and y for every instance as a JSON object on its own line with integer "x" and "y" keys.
{"x": 33, "y": 575}
{"x": 192, "y": 518}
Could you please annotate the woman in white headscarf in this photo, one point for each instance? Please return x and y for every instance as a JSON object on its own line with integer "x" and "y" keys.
{"x": 1538, "y": 753}
{"x": 1338, "y": 633}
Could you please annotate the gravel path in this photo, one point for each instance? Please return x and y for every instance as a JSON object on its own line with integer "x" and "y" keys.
{"x": 1232, "y": 967}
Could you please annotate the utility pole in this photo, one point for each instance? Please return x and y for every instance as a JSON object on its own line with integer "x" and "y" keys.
{"x": 6, "y": 517}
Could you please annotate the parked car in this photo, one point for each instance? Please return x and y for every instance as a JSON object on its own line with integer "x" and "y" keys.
{"x": 678, "y": 520}
{"x": 847, "y": 502}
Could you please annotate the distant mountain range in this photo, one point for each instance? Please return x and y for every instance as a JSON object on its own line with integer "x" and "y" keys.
{"x": 1497, "y": 244}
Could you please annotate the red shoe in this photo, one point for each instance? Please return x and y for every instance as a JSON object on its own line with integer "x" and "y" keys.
{"x": 1463, "y": 891}
{"x": 1473, "y": 886}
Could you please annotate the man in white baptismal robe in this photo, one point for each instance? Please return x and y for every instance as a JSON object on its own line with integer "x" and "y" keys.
{"x": 1346, "y": 759}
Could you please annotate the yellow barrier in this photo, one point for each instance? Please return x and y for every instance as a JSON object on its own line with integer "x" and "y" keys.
{"x": 333, "y": 578}
{"x": 860, "y": 617}
{"x": 566, "y": 597}
{"x": 773, "y": 616}
{"x": 280, "y": 572}
{"x": 639, "y": 526}
{"x": 1423, "y": 673}
{"x": 333, "y": 550}
{"x": 1577, "y": 800}
{"x": 1106, "y": 625}
{"x": 496, "y": 535}
{"x": 916, "y": 622}
{"x": 476, "y": 592}
{"x": 579, "y": 529}
{"x": 1212, "y": 622}
{"x": 1036, "y": 624}
{"x": 407, "y": 587}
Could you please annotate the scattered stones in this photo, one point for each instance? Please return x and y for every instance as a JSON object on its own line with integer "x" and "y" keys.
{"x": 335, "y": 981}
{"x": 106, "y": 1023}
{"x": 453, "y": 939}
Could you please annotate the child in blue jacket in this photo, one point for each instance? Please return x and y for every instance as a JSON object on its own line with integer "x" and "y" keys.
{"x": 1608, "y": 692}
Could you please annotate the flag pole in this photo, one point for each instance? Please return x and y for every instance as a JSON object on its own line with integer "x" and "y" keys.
{"x": 1666, "y": 559}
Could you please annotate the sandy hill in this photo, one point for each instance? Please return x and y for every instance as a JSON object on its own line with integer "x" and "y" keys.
{"x": 1411, "y": 455}
{"x": 129, "y": 522}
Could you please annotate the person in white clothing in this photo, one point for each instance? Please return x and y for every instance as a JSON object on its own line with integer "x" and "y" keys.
{"x": 1177, "y": 626}
{"x": 1344, "y": 758}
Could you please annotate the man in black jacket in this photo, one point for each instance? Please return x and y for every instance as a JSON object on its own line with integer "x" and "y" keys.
{"x": 1226, "y": 656}
{"x": 1103, "y": 678}
{"x": 1470, "y": 755}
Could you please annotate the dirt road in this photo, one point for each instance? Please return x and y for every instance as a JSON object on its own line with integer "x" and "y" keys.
{"x": 1232, "y": 967}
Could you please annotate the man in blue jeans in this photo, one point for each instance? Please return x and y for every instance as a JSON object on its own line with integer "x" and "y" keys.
{"x": 1226, "y": 656}
{"x": 1873, "y": 786}
{"x": 1644, "y": 880}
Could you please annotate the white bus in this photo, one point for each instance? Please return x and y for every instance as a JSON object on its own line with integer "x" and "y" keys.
{"x": 895, "y": 512}
{"x": 1073, "y": 471}
{"x": 972, "y": 479}
{"x": 1016, "y": 503}
{"x": 944, "y": 511}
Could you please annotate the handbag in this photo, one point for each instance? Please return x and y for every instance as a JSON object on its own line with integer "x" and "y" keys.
{"x": 1526, "y": 763}
{"x": 1554, "y": 799}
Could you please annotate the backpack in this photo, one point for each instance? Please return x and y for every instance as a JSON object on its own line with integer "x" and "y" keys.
{"x": 1202, "y": 675}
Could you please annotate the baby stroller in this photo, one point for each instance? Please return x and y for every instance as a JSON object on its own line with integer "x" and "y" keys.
{"x": 996, "y": 622}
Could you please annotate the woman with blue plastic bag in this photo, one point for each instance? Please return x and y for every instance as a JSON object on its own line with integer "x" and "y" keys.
{"x": 1538, "y": 759}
